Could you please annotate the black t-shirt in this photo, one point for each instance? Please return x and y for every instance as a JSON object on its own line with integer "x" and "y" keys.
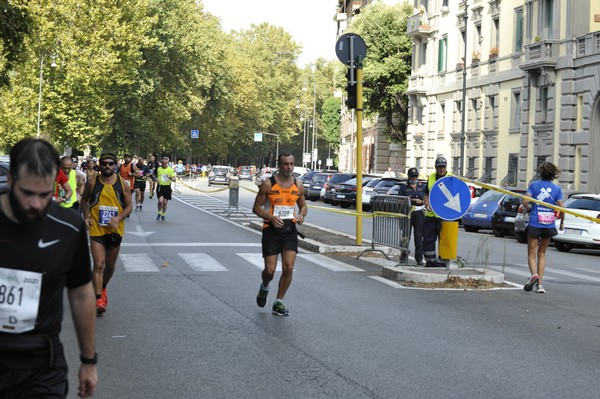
{"x": 57, "y": 248}
{"x": 151, "y": 167}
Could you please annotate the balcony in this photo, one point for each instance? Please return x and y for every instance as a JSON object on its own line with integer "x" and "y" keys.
{"x": 418, "y": 84}
{"x": 542, "y": 54}
{"x": 418, "y": 25}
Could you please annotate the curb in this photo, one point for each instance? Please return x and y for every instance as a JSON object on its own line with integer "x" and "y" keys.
{"x": 430, "y": 275}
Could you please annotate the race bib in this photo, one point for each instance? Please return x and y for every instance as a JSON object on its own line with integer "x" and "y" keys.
{"x": 19, "y": 300}
{"x": 284, "y": 212}
{"x": 546, "y": 217}
{"x": 164, "y": 178}
{"x": 106, "y": 213}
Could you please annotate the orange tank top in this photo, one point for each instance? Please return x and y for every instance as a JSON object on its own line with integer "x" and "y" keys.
{"x": 282, "y": 201}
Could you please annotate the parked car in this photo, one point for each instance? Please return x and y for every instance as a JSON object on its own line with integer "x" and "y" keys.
{"x": 522, "y": 219}
{"x": 316, "y": 184}
{"x": 579, "y": 232}
{"x": 305, "y": 180}
{"x": 219, "y": 175}
{"x": 331, "y": 185}
{"x": 383, "y": 186}
{"x": 245, "y": 173}
{"x": 3, "y": 178}
{"x": 503, "y": 218}
{"x": 345, "y": 193}
{"x": 476, "y": 192}
{"x": 367, "y": 192}
{"x": 479, "y": 215}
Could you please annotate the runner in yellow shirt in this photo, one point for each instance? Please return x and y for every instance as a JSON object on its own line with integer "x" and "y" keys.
{"x": 165, "y": 175}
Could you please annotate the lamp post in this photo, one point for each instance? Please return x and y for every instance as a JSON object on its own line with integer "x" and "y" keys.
{"x": 53, "y": 65}
{"x": 464, "y": 97}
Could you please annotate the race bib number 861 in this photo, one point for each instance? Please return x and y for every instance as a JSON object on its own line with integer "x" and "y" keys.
{"x": 19, "y": 300}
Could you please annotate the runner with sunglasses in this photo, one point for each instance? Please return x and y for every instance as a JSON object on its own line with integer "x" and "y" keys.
{"x": 106, "y": 202}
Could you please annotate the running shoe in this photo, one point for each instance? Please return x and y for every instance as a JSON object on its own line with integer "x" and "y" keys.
{"x": 279, "y": 309}
{"x": 261, "y": 298}
{"x": 540, "y": 289}
{"x": 163, "y": 218}
{"x": 158, "y": 217}
{"x": 532, "y": 281}
{"x": 100, "y": 308}
{"x": 104, "y": 298}
{"x": 140, "y": 208}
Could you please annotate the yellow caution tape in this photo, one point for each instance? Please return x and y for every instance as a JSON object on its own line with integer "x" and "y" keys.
{"x": 525, "y": 197}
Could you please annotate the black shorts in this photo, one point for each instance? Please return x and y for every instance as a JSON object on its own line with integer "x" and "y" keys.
{"x": 541, "y": 232}
{"x": 112, "y": 240}
{"x": 273, "y": 242}
{"x": 48, "y": 382}
{"x": 141, "y": 185}
{"x": 164, "y": 191}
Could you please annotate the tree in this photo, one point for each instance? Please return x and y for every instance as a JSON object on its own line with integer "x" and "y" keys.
{"x": 388, "y": 63}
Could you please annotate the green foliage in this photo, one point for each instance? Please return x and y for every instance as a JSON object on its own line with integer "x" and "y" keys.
{"x": 331, "y": 121}
{"x": 388, "y": 63}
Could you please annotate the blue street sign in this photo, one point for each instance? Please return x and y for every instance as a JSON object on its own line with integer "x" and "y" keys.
{"x": 450, "y": 198}
{"x": 195, "y": 134}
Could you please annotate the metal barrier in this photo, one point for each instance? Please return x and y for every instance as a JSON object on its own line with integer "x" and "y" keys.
{"x": 389, "y": 230}
{"x": 234, "y": 194}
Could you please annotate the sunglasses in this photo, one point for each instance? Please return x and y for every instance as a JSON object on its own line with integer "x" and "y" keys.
{"x": 107, "y": 163}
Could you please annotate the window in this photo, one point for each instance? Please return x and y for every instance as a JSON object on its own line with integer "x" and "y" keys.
{"x": 470, "y": 168}
{"x": 423, "y": 54}
{"x": 418, "y": 163}
{"x": 496, "y": 32}
{"x": 442, "y": 53}
{"x": 548, "y": 17}
{"x": 513, "y": 163}
{"x": 518, "y": 30}
{"x": 425, "y": 4}
{"x": 456, "y": 165}
{"x": 516, "y": 110}
{"x": 442, "y": 118}
{"x": 487, "y": 170}
{"x": 540, "y": 159}
{"x": 543, "y": 104}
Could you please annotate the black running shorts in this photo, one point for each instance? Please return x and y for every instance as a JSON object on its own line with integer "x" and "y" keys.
{"x": 112, "y": 240}
{"x": 164, "y": 191}
{"x": 273, "y": 243}
{"x": 539, "y": 232}
{"x": 141, "y": 185}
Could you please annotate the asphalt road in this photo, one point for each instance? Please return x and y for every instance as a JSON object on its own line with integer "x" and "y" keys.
{"x": 182, "y": 322}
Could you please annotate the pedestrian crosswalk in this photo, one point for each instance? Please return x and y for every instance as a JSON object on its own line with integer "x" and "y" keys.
{"x": 219, "y": 207}
{"x": 551, "y": 274}
{"x": 204, "y": 262}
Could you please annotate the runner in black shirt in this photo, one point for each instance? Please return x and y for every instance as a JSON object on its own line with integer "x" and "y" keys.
{"x": 44, "y": 249}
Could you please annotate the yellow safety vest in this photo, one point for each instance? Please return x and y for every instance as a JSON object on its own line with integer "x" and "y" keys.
{"x": 73, "y": 183}
{"x": 430, "y": 182}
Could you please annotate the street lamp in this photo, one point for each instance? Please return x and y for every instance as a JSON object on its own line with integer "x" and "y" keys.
{"x": 53, "y": 65}
{"x": 464, "y": 97}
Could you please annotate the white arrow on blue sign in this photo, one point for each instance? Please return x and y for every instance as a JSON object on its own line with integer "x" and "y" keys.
{"x": 195, "y": 134}
{"x": 450, "y": 198}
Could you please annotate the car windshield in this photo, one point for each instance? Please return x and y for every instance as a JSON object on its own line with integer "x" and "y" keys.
{"x": 339, "y": 178}
{"x": 491, "y": 196}
{"x": 220, "y": 170}
{"x": 373, "y": 183}
{"x": 319, "y": 179}
{"x": 583, "y": 203}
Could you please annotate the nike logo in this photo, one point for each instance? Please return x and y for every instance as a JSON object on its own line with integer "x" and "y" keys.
{"x": 43, "y": 244}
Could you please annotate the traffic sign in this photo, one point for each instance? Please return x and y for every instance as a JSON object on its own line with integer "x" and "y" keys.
{"x": 349, "y": 46}
{"x": 195, "y": 134}
{"x": 257, "y": 136}
{"x": 450, "y": 198}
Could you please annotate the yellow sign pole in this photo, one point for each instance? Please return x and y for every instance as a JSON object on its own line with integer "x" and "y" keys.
{"x": 359, "y": 143}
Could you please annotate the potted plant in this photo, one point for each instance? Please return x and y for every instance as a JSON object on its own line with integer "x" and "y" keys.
{"x": 493, "y": 53}
{"x": 475, "y": 57}
{"x": 537, "y": 39}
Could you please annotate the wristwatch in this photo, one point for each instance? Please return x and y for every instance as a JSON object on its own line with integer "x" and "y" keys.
{"x": 87, "y": 360}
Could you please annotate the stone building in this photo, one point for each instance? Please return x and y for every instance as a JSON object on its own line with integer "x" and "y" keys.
{"x": 531, "y": 95}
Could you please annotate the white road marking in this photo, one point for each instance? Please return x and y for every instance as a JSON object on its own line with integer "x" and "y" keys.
{"x": 257, "y": 260}
{"x": 202, "y": 262}
{"x": 138, "y": 263}
{"x": 330, "y": 264}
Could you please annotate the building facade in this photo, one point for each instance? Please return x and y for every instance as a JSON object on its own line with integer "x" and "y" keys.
{"x": 377, "y": 152}
{"x": 529, "y": 85}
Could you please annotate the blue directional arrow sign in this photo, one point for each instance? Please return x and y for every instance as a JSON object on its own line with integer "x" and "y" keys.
{"x": 450, "y": 198}
{"x": 195, "y": 134}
